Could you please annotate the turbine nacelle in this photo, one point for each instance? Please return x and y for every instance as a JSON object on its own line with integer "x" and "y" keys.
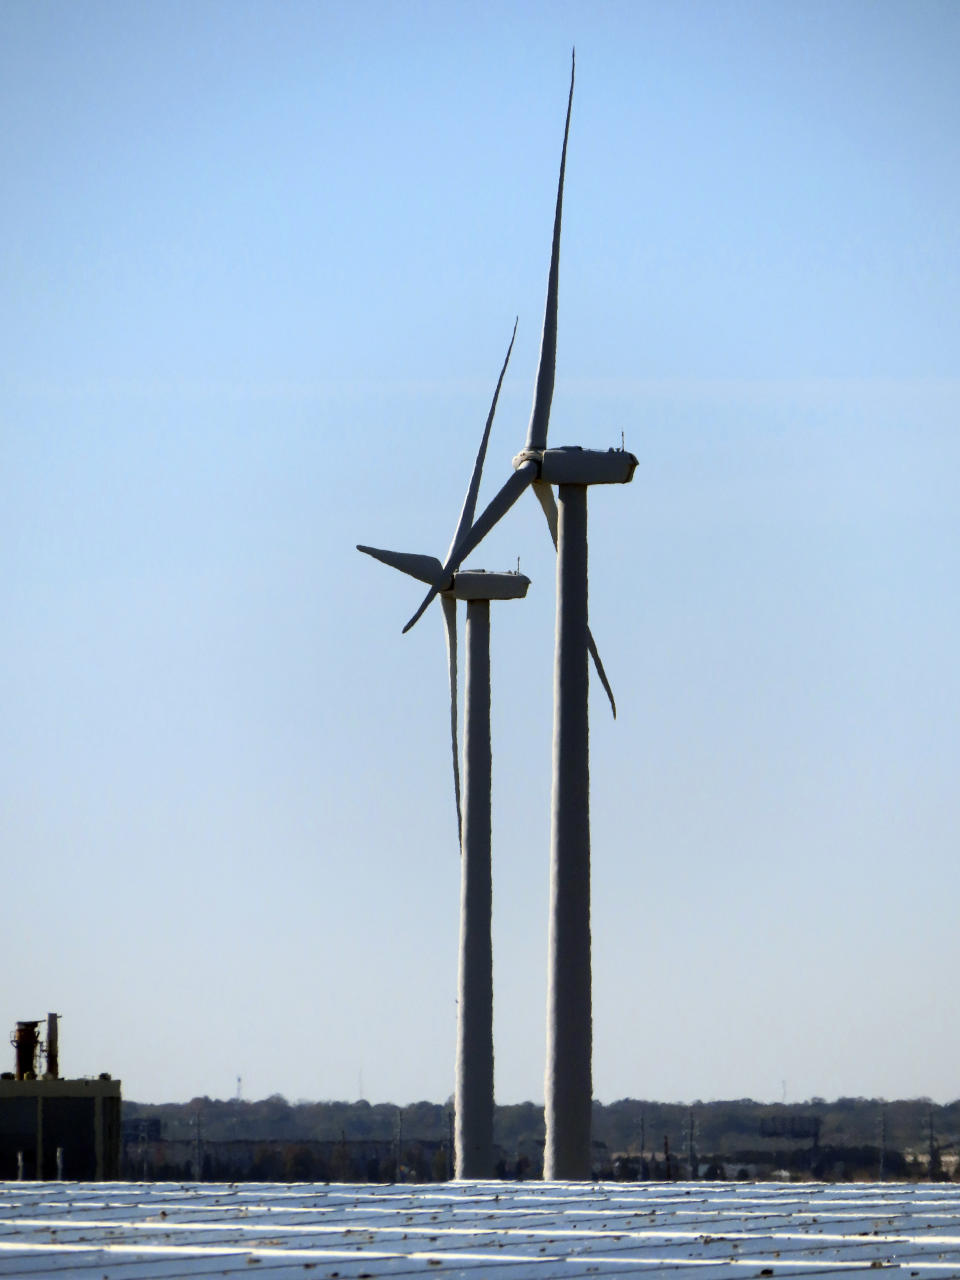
{"x": 477, "y": 584}
{"x": 571, "y": 464}
{"x": 465, "y": 584}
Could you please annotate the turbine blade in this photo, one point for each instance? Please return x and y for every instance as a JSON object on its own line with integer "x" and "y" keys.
{"x": 450, "y": 628}
{"x": 495, "y": 510}
{"x": 591, "y": 645}
{"x": 470, "y": 501}
{"x": 427, "y": 600}
{"x": 549, "y": 503}
{"x": 425, "y": 568}
{"x": 546, "y": 370}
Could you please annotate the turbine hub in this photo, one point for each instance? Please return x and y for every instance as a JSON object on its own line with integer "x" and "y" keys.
{"x": 528, "y": 455}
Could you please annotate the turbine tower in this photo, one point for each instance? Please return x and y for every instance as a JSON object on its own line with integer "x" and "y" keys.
{"x": 568, "y": 1077}
{"x": 473, "y": 1125}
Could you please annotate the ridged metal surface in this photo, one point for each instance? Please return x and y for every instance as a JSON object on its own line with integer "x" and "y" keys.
{"x": 714, "y": 1231}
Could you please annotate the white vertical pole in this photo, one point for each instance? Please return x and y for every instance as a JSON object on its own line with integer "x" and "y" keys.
{"x": 473, "y": 1124}
{"x": 568, "y": 1083}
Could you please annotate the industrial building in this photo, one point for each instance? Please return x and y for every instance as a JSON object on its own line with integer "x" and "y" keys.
{"x": 52, "y": 1127}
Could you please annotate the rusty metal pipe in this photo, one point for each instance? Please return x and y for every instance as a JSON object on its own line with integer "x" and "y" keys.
{"x": 26, "y": 1041}
{"x": 53, "y": 1045}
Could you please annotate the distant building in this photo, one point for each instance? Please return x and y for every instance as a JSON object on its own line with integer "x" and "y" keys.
{"x": 51, "y": 1128}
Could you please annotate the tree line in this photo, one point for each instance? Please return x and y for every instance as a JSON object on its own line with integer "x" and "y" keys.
{"x": 848, "y": 1137}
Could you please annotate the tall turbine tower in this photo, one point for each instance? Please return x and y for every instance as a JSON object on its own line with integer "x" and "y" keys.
{"x": 568, "y": 1081}
{"x": 473, "y": 1096}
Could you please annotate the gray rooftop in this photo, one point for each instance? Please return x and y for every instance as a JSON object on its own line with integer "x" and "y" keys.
{"x": 508, "y": 1230}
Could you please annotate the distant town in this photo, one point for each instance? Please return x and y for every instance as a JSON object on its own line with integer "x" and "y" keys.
{"x": 80, "y": 1127}
{"x": 850, "y": 1139}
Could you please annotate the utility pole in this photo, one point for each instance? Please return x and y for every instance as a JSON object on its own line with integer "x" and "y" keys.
{"x": 197, "y": 1147}
{"x": 933, "y": 1169}
{"x": 930, "y": 1132}
{"x": 691, "y": 1153}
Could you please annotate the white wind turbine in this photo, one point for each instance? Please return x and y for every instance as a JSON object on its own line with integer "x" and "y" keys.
{"x": 568, "y": 1080}
{"x": 473, "y": 1094}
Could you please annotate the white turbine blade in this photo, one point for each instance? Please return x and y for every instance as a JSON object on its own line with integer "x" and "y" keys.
{"x": 591, "y": 645}
{"x": 424, "y": 568}
{"x": 549, "y": 504}
{"x": 547, "y": 368}
{"x": 498, "y": 507}
{"x": 470, "y": 501}
{"x": 494, "y": 511}
{"x": 450, "y": 627}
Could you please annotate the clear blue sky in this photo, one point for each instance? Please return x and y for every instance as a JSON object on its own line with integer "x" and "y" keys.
{"x": 259, "y": 264}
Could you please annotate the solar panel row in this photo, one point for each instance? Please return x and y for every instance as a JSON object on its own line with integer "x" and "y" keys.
{"x": 143, "y": 1231}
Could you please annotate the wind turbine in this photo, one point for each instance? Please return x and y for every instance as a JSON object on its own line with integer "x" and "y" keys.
{"x": 568, "y": 1081}
{"x": 473, "y": 1094}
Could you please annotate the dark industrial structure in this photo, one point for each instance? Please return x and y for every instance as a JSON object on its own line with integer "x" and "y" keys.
{"x": 51, "y": 1127}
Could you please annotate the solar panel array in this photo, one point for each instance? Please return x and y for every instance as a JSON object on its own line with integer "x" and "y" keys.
{"x": 508, "y": 1230}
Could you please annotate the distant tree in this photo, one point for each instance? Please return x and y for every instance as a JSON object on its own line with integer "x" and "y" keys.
{"x": 341, "y": 1166}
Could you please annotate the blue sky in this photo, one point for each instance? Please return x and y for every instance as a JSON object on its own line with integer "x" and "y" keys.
{"x": 259, "y": 268}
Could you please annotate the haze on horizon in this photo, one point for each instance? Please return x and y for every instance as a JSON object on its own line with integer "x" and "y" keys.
{"x": 260, "y": 265}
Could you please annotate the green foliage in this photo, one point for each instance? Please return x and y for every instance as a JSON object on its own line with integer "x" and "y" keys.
{"x": 723, "y": 1131}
